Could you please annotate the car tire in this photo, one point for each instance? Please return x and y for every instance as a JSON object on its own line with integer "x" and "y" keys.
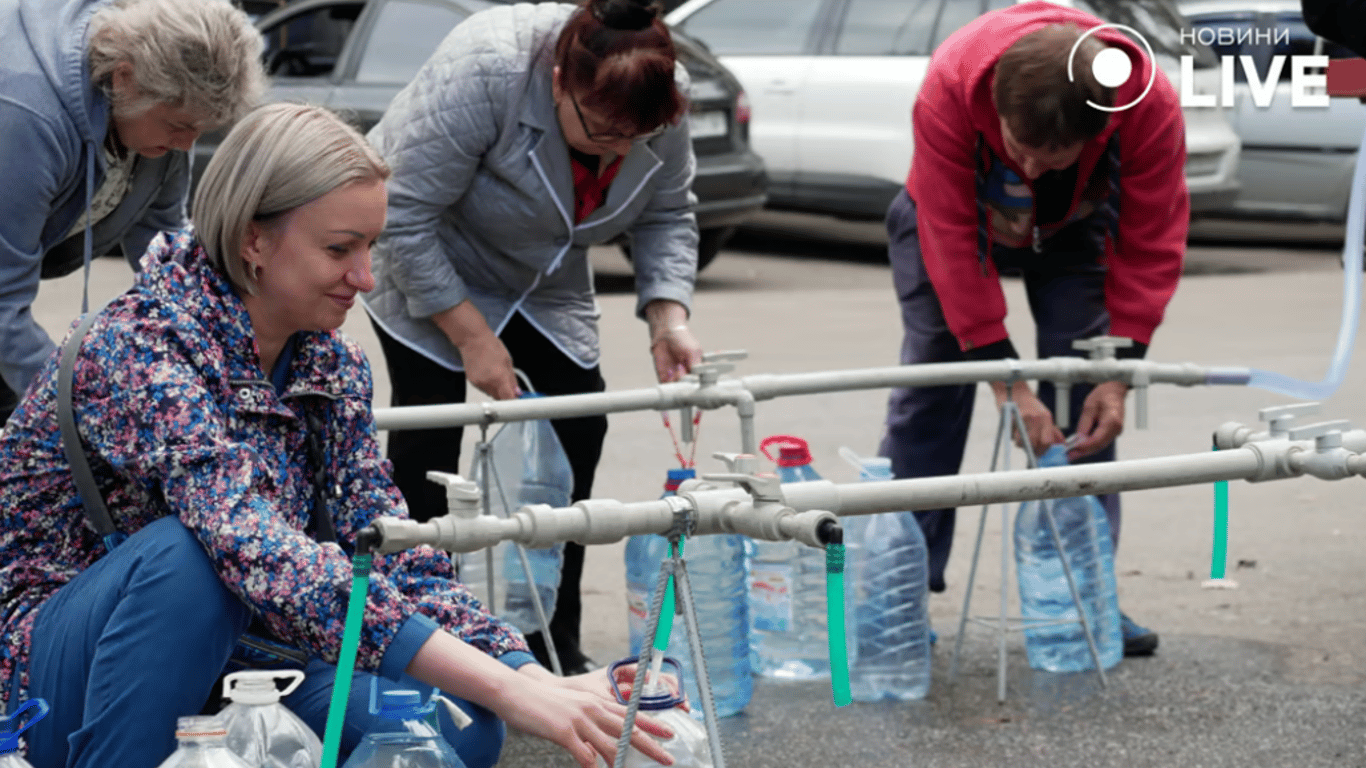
{"x": 709, "y": 244}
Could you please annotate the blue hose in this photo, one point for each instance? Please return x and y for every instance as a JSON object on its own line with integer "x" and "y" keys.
{"x": 1351, "y": 303}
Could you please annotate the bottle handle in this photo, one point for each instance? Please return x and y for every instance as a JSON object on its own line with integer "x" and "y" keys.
{"x": 295, "y": 676}
{"x": 852, "y": 458}
{"x": 12, "y": 738}
{"x": 784, "y": 439}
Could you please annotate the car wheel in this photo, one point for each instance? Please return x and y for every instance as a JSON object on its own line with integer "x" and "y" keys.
{"x": 709, "y": 244}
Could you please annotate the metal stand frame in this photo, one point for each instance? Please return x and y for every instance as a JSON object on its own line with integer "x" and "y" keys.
{"x": 483, "y": 457}
{"x": 674, "y": 565}
{"x": 1010, "y": 420}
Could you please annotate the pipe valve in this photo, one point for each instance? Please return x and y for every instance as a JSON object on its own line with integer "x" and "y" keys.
{"x": 744, "y": 472}
{"x": 1280, "y": 417}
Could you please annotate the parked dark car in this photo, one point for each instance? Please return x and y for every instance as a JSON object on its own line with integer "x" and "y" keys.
{"x": 354, "y": 56}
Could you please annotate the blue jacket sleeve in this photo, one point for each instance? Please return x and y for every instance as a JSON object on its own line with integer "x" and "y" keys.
{"x": 32, "y": 152}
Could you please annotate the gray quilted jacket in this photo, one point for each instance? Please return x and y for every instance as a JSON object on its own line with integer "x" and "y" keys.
{"x": 481, "y": 199}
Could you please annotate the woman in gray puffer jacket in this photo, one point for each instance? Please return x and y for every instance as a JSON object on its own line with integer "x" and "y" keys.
{"x": 533, "y": 132}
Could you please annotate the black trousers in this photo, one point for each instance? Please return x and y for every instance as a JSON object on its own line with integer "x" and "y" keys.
{"x": 416, "y": 380}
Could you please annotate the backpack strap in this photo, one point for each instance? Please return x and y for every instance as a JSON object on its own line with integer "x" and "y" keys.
{"x": 86, "y": 487}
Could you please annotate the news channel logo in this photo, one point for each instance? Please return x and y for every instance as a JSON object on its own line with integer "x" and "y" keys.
{"x": 1111, "y": 66}
{"x": 1312, "y": 78}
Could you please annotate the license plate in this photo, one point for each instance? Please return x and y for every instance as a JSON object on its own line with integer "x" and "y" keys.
{"x": 706, "y": 125}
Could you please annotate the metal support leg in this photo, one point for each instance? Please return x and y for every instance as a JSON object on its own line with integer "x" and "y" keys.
{"x": 673, "y": 566}
{"x": 1010, "y": 422}
{"x": 484, "y": 455}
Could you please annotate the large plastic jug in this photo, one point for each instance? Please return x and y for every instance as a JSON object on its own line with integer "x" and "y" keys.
{"x": 13, "y": 727}
{"x": 529, "y": 466}
{"x": 688, "y": 746}
{"x": 202, "y": 742}
{"x": 261, "y": 730}
{"x": 787, "y": 588}
{"x": 886, "y": 596}
{"x": 719, "y": 581}
{"x": 405, "y": 734}
{"x": 1044, "y": 594}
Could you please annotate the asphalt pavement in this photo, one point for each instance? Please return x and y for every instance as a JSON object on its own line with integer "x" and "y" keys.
{"x": 1272, "y": 673}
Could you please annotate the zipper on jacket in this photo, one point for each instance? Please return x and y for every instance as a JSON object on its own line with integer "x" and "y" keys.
{"x": 1038, "y": 240}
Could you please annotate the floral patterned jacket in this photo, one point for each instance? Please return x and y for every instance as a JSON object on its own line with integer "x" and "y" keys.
{"x": 178, "y": 418}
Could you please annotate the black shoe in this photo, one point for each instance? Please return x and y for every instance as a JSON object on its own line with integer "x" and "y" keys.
{"x": 572, "y": 660}
{"x": 1138, "y": 640}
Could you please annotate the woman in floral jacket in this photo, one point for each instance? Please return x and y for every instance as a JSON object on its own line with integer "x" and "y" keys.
{"x": 194, "y": 393}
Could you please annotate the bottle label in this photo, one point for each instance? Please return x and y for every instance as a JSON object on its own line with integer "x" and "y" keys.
{"x": 770, "y": 589}
{"x": 637, "y": 610}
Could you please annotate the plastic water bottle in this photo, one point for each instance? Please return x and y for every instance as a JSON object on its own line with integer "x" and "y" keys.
{"x": 261, "y": 730}
{"x": 202, "y": 742}
{"x": 404, "y": 734}
{"x": 13, "y": 727}
{"x": 529, "y": 467}
{"x": 1044, "y": 594}
{"x": 886, "y": 598}
{"x": 716, "y": 573}
{"x": 688, "y": 746}
{"x": 790, "y": 638}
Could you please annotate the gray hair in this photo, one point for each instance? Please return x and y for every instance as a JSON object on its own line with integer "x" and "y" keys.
{"x": 200, "y": 55}
{"x": 277, "y": 158}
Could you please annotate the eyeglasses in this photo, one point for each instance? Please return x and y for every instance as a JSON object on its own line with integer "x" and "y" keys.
{"x": 612, "y": 137}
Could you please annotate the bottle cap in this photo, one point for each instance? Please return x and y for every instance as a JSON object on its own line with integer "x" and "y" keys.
{"x": 200, "y": 727}
{"x": 676, "y": 478}
{"x": 653, "y": 697}
{"x": 400, "y": 705}
{"x": 792, "y": 451}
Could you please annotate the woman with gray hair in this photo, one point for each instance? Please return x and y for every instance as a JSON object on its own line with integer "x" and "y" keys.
{"x": 227, "y": 426}
{"x": 101, "y": 101}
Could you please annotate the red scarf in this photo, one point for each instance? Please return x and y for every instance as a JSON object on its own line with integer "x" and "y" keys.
{"x": 590, "y": 189}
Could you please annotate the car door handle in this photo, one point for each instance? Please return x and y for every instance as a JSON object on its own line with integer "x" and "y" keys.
{"x": 780, "y": 86}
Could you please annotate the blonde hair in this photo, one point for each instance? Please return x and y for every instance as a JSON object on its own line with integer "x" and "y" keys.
{"x": 200, "y": 55}
{"x": 277, "y": 158}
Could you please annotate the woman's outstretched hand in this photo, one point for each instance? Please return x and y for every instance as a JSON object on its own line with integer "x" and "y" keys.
{"x": 580, "y": 714}
{"x": 674, "y": 349}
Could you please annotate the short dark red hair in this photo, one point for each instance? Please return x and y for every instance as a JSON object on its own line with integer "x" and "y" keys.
{"x": 617, "y": 58}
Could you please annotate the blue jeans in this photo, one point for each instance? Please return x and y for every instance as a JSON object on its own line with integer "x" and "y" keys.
{"x": 140, "y": 639}
{"x": 927, "y": 427}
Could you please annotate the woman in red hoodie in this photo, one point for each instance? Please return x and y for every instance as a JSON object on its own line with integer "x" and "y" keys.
{"x": 1022, "y": 168}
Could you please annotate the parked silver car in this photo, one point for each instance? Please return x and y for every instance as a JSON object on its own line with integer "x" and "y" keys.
{"x": 1296, "y": 162}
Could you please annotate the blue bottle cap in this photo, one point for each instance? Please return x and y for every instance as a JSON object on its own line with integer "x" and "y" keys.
{"x": 648, "y": 701}
{"x": 402, "y": 705}
{"x": 679, "y": 475}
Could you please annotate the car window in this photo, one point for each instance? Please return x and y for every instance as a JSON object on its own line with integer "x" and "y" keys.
{"x": 404, "y": 37}
{"x": 955, "y": 16}
{"x": 309, "y": 44}
{"x": 887, "y": 28}
{"x": 754, "y": 27}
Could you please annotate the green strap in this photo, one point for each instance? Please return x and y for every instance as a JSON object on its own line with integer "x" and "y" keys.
{"x": 834, "y": 607}
{"x": 1219, "y": 557}
{"x": 346, "y": 660}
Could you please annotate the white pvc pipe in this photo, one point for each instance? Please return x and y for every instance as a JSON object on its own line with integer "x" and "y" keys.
{"x": 732, "y": 510}
{"x": 732, "y": 392}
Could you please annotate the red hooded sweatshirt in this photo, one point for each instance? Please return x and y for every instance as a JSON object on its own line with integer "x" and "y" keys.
{"x": 954, "y": 111}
